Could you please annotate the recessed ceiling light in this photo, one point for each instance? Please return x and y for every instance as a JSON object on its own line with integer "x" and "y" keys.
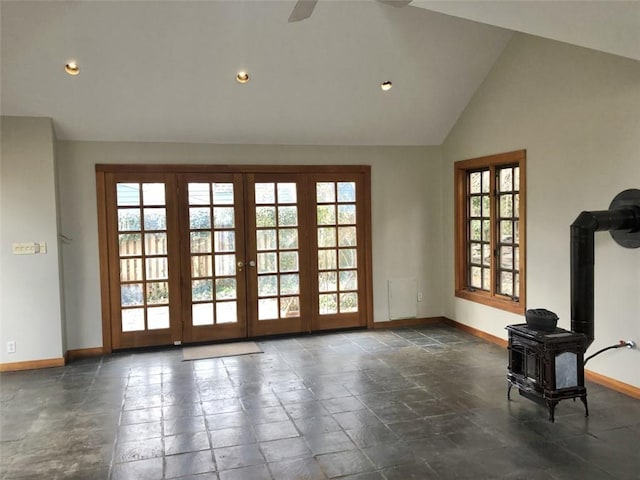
{"x": 242, "y": 77}
{"x": 72, "y": 68}
{"x": 386, "y": 86}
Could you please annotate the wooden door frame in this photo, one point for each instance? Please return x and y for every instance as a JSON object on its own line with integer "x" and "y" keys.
{"x": 149, "y": 337}
{"x": 103, "y": 244}
{"x": 353, "y": 320}
{"x": 279, "y": 326}
{"x": 222, "y": 331}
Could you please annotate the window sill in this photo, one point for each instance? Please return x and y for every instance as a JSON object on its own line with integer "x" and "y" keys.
{"x": 485, "y": 298}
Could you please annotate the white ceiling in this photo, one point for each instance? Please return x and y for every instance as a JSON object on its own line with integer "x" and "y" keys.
{"x": 164, "y": 71}
{"x": 611, "y": 26}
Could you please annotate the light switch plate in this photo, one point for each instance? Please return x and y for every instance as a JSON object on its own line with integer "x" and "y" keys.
{"x": 28, "y": 248}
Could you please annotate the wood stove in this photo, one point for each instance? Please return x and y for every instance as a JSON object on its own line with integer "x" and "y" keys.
{"x": 547, "y": 366}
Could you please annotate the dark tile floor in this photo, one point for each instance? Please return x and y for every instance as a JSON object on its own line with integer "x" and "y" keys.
{"x": 415, "y": 403}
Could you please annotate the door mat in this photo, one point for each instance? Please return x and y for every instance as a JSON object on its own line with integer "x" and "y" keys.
{"x": 220, "y": 350}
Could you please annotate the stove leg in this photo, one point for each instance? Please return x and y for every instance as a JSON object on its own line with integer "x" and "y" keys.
{"x": 509, "y": 392}
{"x": 586, "y": 407}
{"x": 552, "y": 409}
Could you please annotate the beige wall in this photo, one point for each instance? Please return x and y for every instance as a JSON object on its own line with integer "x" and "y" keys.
{"x": 577, "y": 113}
{"x": 30, "y": 296}
{"x": 406, "y": 214}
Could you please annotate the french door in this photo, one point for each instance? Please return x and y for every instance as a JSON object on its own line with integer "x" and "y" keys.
{"x": 213, "y": 292}
{"x": 199, "y": 254}
{"x": 279, "y": 258}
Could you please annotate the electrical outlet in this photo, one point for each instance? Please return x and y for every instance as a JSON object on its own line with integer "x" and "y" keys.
{"x": 11, "y": 346}
{"x": 419, "y": 296}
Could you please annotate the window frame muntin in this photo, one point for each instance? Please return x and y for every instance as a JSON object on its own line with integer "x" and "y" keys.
{"x": 462, "y": 242}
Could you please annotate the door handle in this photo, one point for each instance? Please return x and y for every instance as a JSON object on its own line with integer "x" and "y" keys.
{"x": 252, "y": 263}
{"x": 240, "y": 266}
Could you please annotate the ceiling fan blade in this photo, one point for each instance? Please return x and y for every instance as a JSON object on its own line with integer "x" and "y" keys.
{"x": 396, "y": 3}
{"x": 303, "y": 9}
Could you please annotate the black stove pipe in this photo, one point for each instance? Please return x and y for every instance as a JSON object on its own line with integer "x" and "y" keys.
{"x": 582, "y": 261}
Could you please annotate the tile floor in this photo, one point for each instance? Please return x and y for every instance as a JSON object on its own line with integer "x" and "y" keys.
{"x": 414, "y": 403}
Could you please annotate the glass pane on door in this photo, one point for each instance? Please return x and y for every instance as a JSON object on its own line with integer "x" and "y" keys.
{"x": 277, "y": 250}
{"x": 212, "y": 250}
{"x": 142, "y": 252}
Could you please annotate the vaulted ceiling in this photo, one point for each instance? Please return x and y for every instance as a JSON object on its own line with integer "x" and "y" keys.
{"x": 165, "y": 70}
